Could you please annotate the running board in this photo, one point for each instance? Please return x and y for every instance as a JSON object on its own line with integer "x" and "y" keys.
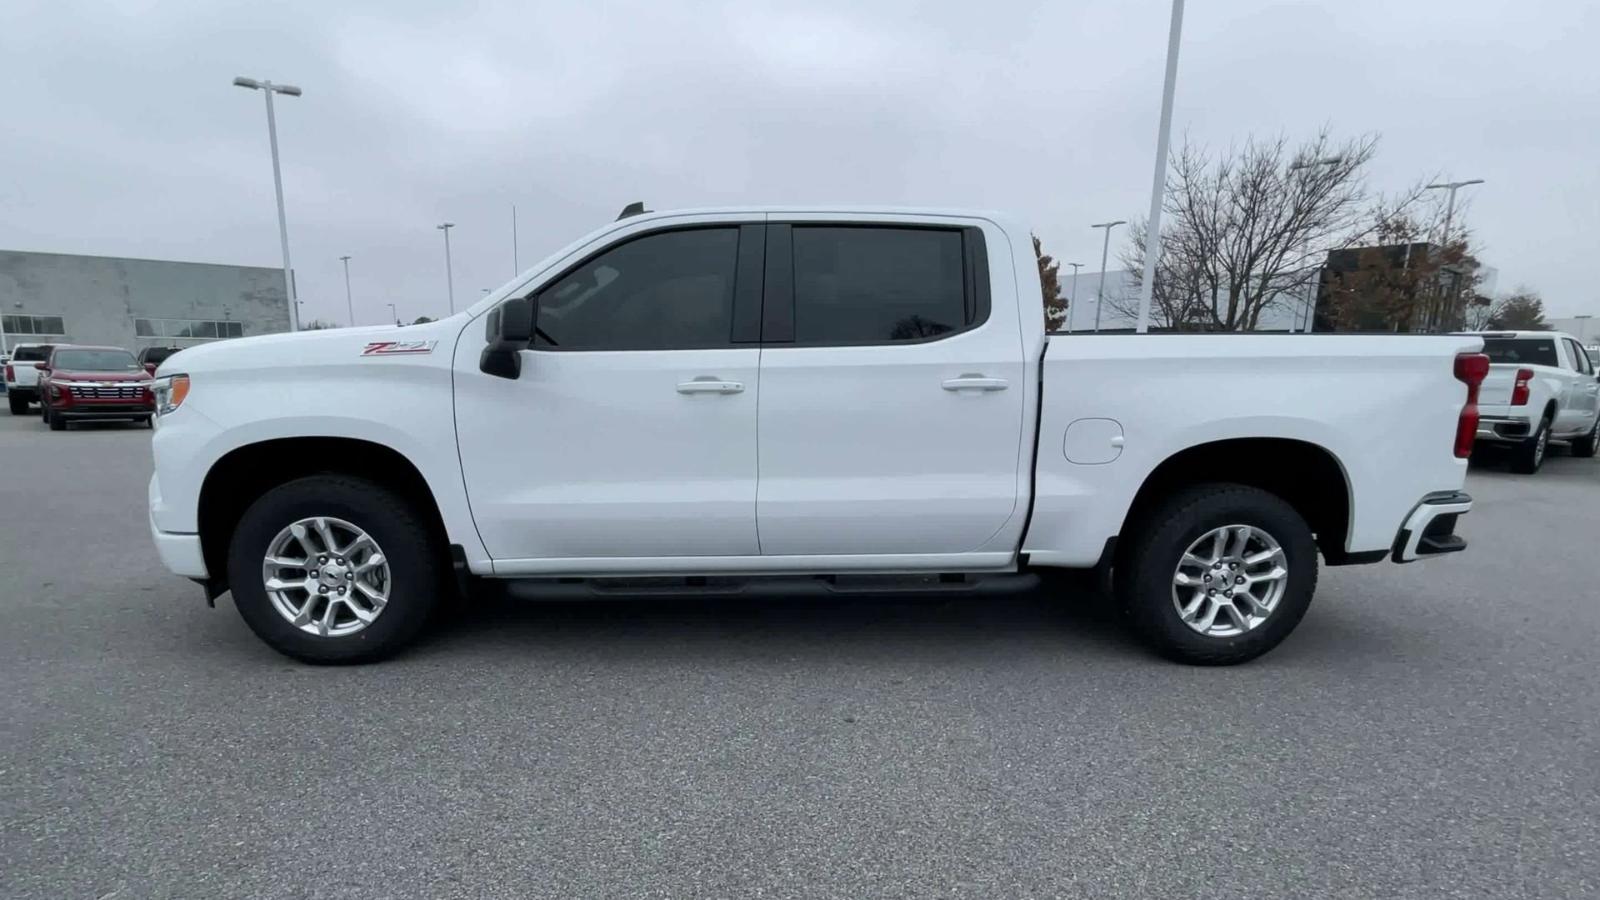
{"x": 765, "y": 586}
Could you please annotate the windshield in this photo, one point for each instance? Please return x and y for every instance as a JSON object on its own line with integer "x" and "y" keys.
{"x": 1594, "y": 356}
{"x": 96, "y": 361}
{"x": 32, "y": 354}
{"x": 1532, "y": 351}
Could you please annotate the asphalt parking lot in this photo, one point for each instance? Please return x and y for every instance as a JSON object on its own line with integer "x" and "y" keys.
{"x": 1430, "y": 731}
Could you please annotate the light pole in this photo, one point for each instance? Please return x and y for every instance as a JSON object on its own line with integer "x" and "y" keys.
{"x": 1152, "y": 225}
{"x": 1450, "y": 205}
{"x": 449, "y": 277}
{"x": 1449, "y": 217}
{"x": 1307, "y": 321}
{"x": 516, "y": 266}
{"x": 349, "y": 305}
{"x": 392, "y": 314}
{"x": 1105, "y": 249}
{"x": 268, "y": 88}
{"x": 1073, "y": 298}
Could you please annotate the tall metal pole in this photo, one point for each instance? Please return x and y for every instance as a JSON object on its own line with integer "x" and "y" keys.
{"x": 1305, "y": 242}
{"x": 1444, "y": 241}
{"x": 349, "y": 305}
{"x": 1100, "y": 299}
{"x": 268, "y": 88}
{"x": 516, "y": 266}
{"x": 1152, "y": 234}
{"x": 449, "y": 275}
{"x": 283, "y": 219}
{"x": 1073, "y": 300}
{"x": 392, "y": 313}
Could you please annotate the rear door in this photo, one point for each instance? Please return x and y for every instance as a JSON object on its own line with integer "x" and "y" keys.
{"x": 1586, "y": 391}
{"x": 891, "y": 392}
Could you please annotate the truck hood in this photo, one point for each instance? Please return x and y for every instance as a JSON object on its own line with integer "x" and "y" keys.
{"x": 306, "y": 348}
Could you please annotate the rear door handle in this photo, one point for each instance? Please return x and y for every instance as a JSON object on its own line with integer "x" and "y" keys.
{"x": 972, "y": 382}
{"x": 710, "y": 384}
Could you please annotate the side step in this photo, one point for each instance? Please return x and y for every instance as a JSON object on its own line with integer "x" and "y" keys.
{"x": 775, "y": 585}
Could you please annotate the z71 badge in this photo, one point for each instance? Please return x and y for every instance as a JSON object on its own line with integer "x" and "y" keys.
{"x": 397, "y": 348}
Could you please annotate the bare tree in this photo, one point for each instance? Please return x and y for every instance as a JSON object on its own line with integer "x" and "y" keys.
{"x": 1055, "y": 306}
{"x": 1522, "y": 311}
{"x": 1242, "y": 228}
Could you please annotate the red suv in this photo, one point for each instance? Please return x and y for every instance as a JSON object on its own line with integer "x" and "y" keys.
{"x": 94, "y": 383}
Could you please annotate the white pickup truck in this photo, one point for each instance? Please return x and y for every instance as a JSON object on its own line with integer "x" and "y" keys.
{"x": 819, "y": 395}
{"x": 1541, "y": 386}
{"x": 22, "y": 375}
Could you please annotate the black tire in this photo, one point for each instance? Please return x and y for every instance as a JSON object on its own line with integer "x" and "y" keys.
{"x": 19, "y": 403}
{"x": 55, "y": 422}
{"x": 1528, "y": 456}
{"x": 416, "y": 561}
{"x": 1585, "y": 446}
{"x": 1148, "y": 558}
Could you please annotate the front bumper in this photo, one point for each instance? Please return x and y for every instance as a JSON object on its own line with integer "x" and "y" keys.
{"x": 1430, "y": 529}
{"x": 82, "y": 410}
{"x": 180, "y": 553}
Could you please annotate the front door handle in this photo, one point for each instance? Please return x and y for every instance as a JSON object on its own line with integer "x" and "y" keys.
{"x": 710, "y": 384}
{"x": 974, "y": 382}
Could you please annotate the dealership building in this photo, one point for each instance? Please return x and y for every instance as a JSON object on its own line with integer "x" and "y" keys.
{"x": 134, "y": 303}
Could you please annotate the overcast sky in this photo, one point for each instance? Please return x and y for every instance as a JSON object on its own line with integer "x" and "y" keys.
{"x": 124, "y": 137}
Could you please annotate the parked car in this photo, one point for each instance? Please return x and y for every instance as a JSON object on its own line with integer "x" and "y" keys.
{"x": 151, "y": 358}
{"x": 1541, "y": 387}
{"x": 599, "y": 418}
{"x": 22, "y": 379}
{"x": 81, "y": 383}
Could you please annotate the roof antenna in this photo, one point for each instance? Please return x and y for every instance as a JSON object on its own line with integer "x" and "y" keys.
{"x": 636, "y": 208}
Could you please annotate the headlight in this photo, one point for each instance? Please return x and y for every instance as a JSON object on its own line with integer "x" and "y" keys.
{"x": 170, "y": 393}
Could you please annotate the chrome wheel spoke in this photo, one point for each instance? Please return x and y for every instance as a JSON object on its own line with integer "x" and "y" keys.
{"x": 313, "y": 580}
{"x": 1237, "y": 588}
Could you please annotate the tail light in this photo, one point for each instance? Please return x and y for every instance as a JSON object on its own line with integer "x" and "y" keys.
{"x": 1519, "y": 391}
{"x": 1471, "y": 369}
{"x": 11, "y": 374}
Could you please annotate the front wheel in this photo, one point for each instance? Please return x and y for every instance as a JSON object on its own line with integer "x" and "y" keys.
{"x": 1218, "y": 574}
{"x": 335, "y": 569}
{"x": 1529, "y": 455}
{"x": 55, "y": 422}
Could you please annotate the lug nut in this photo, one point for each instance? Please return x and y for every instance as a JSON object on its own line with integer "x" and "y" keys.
{"x": 323, "y": 589}
{"x": 349, "y": 576}
{"x": 1208, "y": 577}
{"x": 1239, "y": 580}
{"x": 1211, "y": 593}
{"x": 323, "y": 560}
{"x": 341, "y": 592}
{"x": 340, "y": 560}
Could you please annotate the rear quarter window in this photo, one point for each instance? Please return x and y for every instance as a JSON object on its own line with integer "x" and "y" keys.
{"x": 31, "y": 354}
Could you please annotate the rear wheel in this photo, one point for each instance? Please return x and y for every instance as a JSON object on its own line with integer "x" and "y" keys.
{"x": 19, "y": 403}
{"x": 1586, "y": 445}
{"x": 1218, "y": 574}
{"x": 335, "y": 569}
{"x": 1529, "y": 455}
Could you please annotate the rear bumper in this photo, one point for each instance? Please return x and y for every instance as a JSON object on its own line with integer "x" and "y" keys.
{"x": 1430, "y": 529}
{"x": 27, "y": 391}
{"x": 1504, "y": 429}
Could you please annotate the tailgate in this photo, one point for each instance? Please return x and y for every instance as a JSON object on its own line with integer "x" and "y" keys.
{"x": 1496, "y": 388}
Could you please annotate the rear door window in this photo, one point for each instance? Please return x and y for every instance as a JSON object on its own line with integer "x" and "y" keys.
{"x": 31, "y": 354}
{"x": 1527, "y": 351}
{"x": 879, "y": 285}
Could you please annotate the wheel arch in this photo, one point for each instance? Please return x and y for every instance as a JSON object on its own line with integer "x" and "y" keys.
{"x": 243, "y": 474}
{"x": 1308, "y": 476}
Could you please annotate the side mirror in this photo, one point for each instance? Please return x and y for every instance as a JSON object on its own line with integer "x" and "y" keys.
{"x": 42, "y": 366}
{"x": 150, "y": 367}
{"x": 509, "y": 330}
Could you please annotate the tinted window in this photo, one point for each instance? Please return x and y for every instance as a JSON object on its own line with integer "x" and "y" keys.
{"x": 94, "y": 361}
{"x": 1580, "y": 359}
{"x": 1530, "y": 351}
{"x": 32, "y": 354}
{"x": 877, "y": 285}
{"x": 157, "y": 355}
{"x": 667, "y": 291}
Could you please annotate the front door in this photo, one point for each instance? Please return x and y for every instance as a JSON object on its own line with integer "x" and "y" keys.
{"x": 631, "y": 431}
{"x": 891, "y": 416}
